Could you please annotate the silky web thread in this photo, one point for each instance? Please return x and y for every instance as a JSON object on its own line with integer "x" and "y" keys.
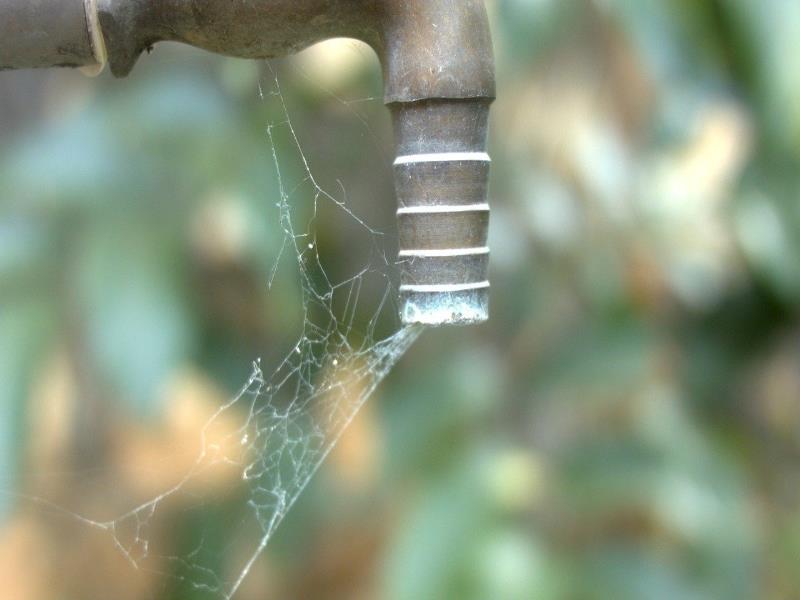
{"x": 288, "y": 418}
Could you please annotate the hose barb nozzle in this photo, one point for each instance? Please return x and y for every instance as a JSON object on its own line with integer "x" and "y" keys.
{"x": 439, "y": 74}
{"x": 441, "y": 174}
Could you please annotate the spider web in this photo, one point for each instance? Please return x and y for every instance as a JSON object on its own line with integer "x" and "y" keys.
{"x": 269, "y": 439}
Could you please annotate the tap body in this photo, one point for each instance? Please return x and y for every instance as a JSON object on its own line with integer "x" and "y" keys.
{"x": 439, "y": 82}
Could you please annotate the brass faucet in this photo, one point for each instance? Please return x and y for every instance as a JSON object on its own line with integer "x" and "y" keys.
{"x": 439, "y": 82}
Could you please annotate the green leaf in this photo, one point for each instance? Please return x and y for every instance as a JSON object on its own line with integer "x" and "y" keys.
{"x": 138, "y": 325}
{"x": 25, "y": 327}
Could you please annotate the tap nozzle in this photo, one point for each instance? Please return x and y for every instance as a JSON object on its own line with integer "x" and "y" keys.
{"x": 439, "y": 74}
{"x": 441, "y": 175}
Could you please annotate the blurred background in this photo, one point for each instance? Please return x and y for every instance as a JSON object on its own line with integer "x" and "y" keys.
{"x": 627, "y": 424}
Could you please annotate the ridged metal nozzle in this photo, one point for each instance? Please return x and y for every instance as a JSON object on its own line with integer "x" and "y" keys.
{"x": 441, "y": 178}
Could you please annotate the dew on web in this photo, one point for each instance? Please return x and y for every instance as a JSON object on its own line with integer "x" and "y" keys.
{"x": 266, "y": 442}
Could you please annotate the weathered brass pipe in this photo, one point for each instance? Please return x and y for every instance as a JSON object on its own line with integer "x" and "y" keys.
{"x": 439, "y": 82}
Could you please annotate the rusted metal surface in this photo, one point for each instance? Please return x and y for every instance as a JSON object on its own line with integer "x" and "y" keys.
{"x": 429, "y": 48}
{"x": 44, "y": 33}
{"x": 439, "y": 82}
{"x": 258, "y": 29}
